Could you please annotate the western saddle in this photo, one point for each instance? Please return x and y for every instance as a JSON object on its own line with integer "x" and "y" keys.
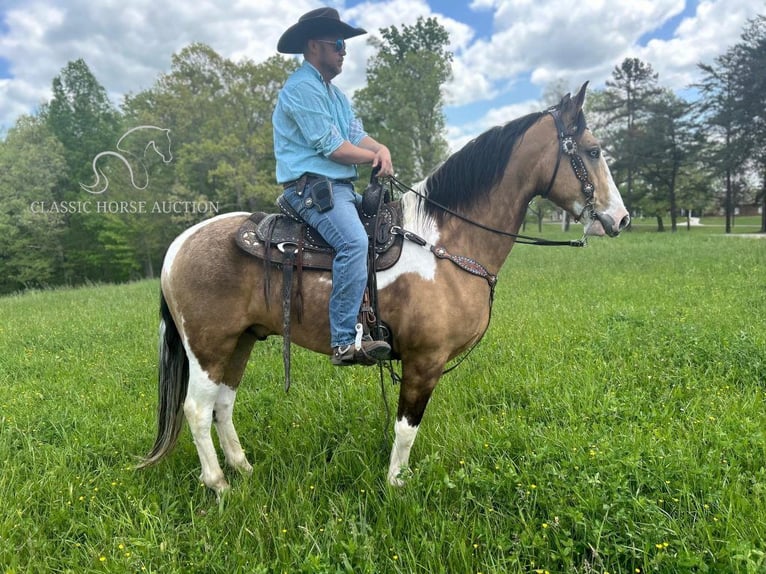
{"x": 283, "y": 240}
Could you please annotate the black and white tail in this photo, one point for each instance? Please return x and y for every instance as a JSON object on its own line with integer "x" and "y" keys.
{"x": 172, "y": 387}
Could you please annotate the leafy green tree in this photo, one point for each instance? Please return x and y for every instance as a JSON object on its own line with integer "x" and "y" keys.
{"x": 32, "y": 162}
{"x": 668, "y": 145}
{"x": 719, "y": 116}
{"x": 219, "y": 113}
{"x": 623, "y": 108}
{"x": 402, "y": 103}
{"x": 83, "y": 119}
{"x": 733, "y": 105}
{"x": 750, "y": 82}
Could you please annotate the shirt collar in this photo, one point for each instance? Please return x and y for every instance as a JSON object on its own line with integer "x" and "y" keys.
{"x": 310, "y": 67}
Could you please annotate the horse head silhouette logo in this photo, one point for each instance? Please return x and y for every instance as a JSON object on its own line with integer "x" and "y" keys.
{"x": 159, "y": 141}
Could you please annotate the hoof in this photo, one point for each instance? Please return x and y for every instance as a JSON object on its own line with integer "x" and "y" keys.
{"x": 400, "y": 478}
{"x": 242, "y": 466}
{"x": 396, "y": 482}
{"x": 217, "y": 485}
{"x": 220, "y": 490}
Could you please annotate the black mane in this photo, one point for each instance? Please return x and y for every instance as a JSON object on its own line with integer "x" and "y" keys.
{"x": 477, "y": 167}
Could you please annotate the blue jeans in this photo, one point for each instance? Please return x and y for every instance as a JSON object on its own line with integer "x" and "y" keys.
{"x": 343, "y": 230}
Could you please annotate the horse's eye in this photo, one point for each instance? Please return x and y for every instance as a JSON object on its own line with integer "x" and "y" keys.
{"x": 594, "y": 153}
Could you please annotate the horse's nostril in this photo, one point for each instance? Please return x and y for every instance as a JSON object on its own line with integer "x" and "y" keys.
{"x": 624, "y": 222}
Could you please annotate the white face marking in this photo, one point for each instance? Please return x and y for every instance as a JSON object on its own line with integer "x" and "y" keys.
{"x": 175, "y": 247}
{"x": 615, "y": 208}
{"x": 400, "y": 453}
{"x": 615, "y": 199}
{"x": 414, "y": 258}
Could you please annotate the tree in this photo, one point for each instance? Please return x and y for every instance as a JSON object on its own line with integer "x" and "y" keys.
{"x": 31, "y": 164}
{"x": 86, "y": 123}
{"x": 623, "y": 107}
{"x": 402, "y": 103}
{"x": 83, "y": 119}
{"x": 219, "y": 112}
{"x": 718, "y": 109}
{"x": 750, "y": 85}
{"x": 667, "y": 146}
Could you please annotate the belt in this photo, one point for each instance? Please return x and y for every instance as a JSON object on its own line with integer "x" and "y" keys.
{"x": 306, "y": 177}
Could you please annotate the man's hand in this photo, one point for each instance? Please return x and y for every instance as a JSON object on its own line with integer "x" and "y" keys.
{"x": 368, "y": 151}
{"x": 382, "y": 160}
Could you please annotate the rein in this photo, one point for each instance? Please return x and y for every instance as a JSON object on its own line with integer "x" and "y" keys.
{"x": 523, "y": 239}
{"x": 568, "y": 147}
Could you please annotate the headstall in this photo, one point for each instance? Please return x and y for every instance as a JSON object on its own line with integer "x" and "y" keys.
{"x": 568, "y": 147}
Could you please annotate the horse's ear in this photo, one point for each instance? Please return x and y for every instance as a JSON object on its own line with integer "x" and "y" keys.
{"x": 571, "y": 108}
{"x": 580, "y": 97}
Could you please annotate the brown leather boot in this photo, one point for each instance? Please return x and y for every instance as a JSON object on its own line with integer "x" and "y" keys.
{"x": 370, "y": 353}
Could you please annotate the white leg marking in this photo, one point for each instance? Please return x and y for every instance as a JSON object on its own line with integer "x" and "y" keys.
{"x": 227, "y": 434}
{"x": 198, "y": 408}
{"x": 404, "y": 436}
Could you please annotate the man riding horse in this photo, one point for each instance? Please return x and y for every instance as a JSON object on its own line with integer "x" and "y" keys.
{"x": 318, "y": 141}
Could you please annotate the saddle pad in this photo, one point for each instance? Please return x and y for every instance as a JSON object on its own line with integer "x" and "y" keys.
{"x": 266, "y": 236}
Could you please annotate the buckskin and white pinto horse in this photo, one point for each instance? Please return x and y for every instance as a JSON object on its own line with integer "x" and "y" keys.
{"x": 213, "y": 299}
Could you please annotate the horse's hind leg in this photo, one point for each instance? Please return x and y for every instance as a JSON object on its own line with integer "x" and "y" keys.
{"x": 200, "y": 401}
{"x": 224, "y": 406}
{"x": 211, "y": 397}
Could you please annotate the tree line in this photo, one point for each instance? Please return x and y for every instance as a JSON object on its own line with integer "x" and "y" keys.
{"x": 94, "y": 192}
{"x": 670, "y": 154}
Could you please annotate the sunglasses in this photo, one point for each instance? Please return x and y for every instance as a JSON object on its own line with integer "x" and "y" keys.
{"x": 340, "y": 44}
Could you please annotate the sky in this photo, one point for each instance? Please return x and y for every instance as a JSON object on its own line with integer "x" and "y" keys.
{"x": 506, "y": 52}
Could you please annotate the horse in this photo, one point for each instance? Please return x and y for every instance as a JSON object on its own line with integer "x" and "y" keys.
{"x": 436, "y": 300}
{"x": 163, "y": 151}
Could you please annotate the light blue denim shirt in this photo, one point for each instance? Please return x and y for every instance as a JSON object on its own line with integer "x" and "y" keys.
{"x": 311, "y": 120}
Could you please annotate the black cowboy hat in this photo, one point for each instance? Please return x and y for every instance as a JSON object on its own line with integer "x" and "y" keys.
{"x": 319, "y": 22}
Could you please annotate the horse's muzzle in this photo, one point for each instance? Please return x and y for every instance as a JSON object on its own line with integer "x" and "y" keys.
{"x": 611, "y": 228}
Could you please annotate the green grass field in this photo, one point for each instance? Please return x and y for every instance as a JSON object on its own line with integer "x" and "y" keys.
{"x": 613, "y": 420}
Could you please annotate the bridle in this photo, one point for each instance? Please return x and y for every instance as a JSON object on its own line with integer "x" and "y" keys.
{"x": 568, "y": 147}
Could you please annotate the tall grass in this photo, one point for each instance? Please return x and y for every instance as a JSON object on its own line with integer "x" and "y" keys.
{"x": 612, "y": 420}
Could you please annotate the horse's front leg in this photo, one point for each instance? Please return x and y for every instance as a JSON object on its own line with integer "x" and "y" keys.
{"x": 418, "y": 382}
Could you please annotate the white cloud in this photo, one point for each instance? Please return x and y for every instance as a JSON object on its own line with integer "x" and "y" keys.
{"x": 128, "y": 44}
{"x": 541, "y": 42}
{"x": 716, "y": 26}
{"x": 372, "y": 16}
{"x": 549, "y": 40}
{"x": 458, "y": 136}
